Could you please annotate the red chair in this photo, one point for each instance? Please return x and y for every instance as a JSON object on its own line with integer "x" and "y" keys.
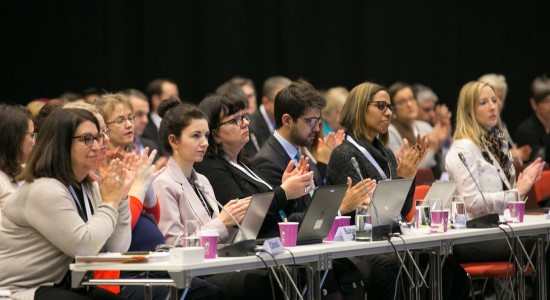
{"x": 498, "y": 270}
{"x": 424, "y": 177}
{"x": 542, "y": 187}
{"x": 420, "y": 192}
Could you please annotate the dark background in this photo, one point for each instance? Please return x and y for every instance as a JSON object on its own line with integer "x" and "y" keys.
{"x": 49, "y": 48}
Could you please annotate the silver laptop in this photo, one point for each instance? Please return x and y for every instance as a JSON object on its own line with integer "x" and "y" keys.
{"x": 320, "y": 214}
{"x": 389, "y": 197}
{"x": 254, "y": 216}
{"x": 442, "y": 190}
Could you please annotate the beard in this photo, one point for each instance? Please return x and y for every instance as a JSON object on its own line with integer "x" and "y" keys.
{"x": 297, "y": 138}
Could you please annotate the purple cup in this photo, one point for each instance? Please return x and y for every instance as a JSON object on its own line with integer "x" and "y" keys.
{"x": 340, "y": 221}
{"x": 209, "y": 241}
{"x": 289, "y": 233}
{"x": 517, "y": 210}
{"x": 439, "y": 221}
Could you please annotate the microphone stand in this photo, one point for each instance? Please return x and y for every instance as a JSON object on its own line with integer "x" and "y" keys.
{"x": 380, "y": 231}
{"x": 490, "y": 219}
{"x": 243, "y": 247}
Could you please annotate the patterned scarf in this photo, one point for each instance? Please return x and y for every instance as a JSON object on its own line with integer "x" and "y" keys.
{"x": 498, "y": 146}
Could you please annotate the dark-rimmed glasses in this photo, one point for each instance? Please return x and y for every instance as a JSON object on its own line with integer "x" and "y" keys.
{"x": 237, "y": 120}
{"x": 33, "y": 135}
{"x": 88, "y": 138}
{"x": 382, "y": 106}
{"x": 312, "y": 122}
{"x": 121, "y": 120}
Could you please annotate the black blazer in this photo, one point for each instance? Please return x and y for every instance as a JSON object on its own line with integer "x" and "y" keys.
{"x": 230, "y": 183}
{"x": 151, "y": 132}
{"x": 259, "y": 131}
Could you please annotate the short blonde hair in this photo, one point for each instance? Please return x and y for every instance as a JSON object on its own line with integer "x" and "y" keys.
{"x": 467, "y": 126}
{"x": 109, "y": 102}
{"x": 335, "y": 97}
{"x": 352, "y": 116}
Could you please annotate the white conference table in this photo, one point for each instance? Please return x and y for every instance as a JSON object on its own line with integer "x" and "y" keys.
{"x": 320, "y": 256}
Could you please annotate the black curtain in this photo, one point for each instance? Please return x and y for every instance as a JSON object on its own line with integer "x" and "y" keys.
{"x": 52, "y": 47}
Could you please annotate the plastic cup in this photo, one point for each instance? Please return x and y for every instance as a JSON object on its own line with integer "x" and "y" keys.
{"x": 422, "y": 214}
{"x": 289, "y": 233}
{"x": 517, "y": 210}
{"x": 340, "y": 221}
{"x": 439, "y": 221}
{"x": 209, "y": 241}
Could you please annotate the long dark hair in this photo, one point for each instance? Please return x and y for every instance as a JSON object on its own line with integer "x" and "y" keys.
{"x": 14, "y": 127}
{"x": 51, "y": 156}
{"x": 176, "y": 116}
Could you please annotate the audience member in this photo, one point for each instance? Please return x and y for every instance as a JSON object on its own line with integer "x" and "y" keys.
{"x": 247, "y": 86}
{"x": 16, "y": 143}
{"x": 262, "y": 122}
{"x": 158, "y": 90}
{"x": 59, "y": 213}
{"x": 336, "y": 97}
{"x": 535, "y": 130}
{"x": 406, "y": 126}
{"x": 46, "y": 110}
{"x": 183, "y": 193}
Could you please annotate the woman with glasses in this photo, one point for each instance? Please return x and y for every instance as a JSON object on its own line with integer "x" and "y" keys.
{"x": 119, "y": 117}
{"x": 366, "y": 115}
{"x": 183, "y": 193}
{"x": 406, "y": 126}
{"x": 227, "y": 165}
{"x": 59, "y": 212}
{"x": 16, "y": 143}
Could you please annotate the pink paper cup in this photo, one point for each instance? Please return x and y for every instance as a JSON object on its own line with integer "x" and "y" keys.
{"x": 289, "y": 233}
{"x": 517, "y": 210}
{"x": 344, "y": 221}
{"x": 333, "y": 229}
{"x": 438, "y": 221}
{"x": 209, "y": 241}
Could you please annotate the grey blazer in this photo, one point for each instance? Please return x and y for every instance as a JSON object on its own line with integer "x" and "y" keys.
{"x": 179, "y": 202}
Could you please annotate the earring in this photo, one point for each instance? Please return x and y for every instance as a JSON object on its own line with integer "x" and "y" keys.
{"x": 177, "y": 152}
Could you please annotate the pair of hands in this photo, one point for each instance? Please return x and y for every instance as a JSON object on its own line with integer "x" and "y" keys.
{"x": 408, "y": 158}
{"x": 529, "y": 176}
{"x": 297, "y": 181}
{"x": 237, "y": 208}
{"x": 134, "y": 174}
{"x": 357, "y": 195}
{"x": 327, "y": 144}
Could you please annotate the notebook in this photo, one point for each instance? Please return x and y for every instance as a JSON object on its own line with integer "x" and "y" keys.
{"x": 389, "y": 197}
{"x": 320, "y": 214}
{"x": 254, "y": 216}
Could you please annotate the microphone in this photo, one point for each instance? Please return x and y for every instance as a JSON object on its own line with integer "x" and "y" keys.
{"x": 377, "y": 231}
{"x": 490, "y": 219}
{"x": 244, "y": 246}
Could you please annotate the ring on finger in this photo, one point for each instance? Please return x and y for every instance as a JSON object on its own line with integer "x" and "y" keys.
{"x": 117, "y": 178}
{"x": 306, "y": 190}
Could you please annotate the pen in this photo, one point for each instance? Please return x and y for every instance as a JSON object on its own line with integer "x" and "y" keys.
{"x": 283, "y": 215}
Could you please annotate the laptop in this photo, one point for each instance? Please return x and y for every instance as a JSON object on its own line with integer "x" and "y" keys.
{"x": 254, "y": 216}
{"x": 442, "y": 190}
{"x": 389, "y": 197}
{"x": 320, "y": 214}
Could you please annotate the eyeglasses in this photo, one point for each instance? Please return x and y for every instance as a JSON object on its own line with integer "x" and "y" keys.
{"x": 121, "y": 120}
{"x": 88, "y": 138}
{"x": 33, "y": 135}
{"x": 106, "y": 131}
{"x": 382, "y": 106}
{"x": 312, "y": 122}
{"x": 237, "y": 120}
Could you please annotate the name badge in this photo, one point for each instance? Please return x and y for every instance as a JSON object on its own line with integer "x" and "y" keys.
{"x": 345, "y": 234}
{"x": 273, "y": 246}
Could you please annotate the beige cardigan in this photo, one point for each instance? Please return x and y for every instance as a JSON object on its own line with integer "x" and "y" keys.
{"x": 42, "y": 232}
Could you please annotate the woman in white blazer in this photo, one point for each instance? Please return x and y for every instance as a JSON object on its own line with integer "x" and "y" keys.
{"x": 478, "y": 137}
{"x": 183, "y": 193}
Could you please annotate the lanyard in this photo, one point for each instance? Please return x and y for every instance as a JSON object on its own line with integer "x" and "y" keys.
{"x": 79, "y": 205}
{"x": 369, "y": 157}
{"x": 207, "y": 207}
{"x": 248, "y": 172}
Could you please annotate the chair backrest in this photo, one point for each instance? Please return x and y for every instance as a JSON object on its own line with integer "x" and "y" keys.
{"x": 542, "y": 187}
{"x": 424, "y": 176}
{"x": 420, "y": 192}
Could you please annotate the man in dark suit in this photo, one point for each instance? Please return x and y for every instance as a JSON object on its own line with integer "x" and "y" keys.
{"x": 262, "y": 121}
{"x": 158, "y": 90}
